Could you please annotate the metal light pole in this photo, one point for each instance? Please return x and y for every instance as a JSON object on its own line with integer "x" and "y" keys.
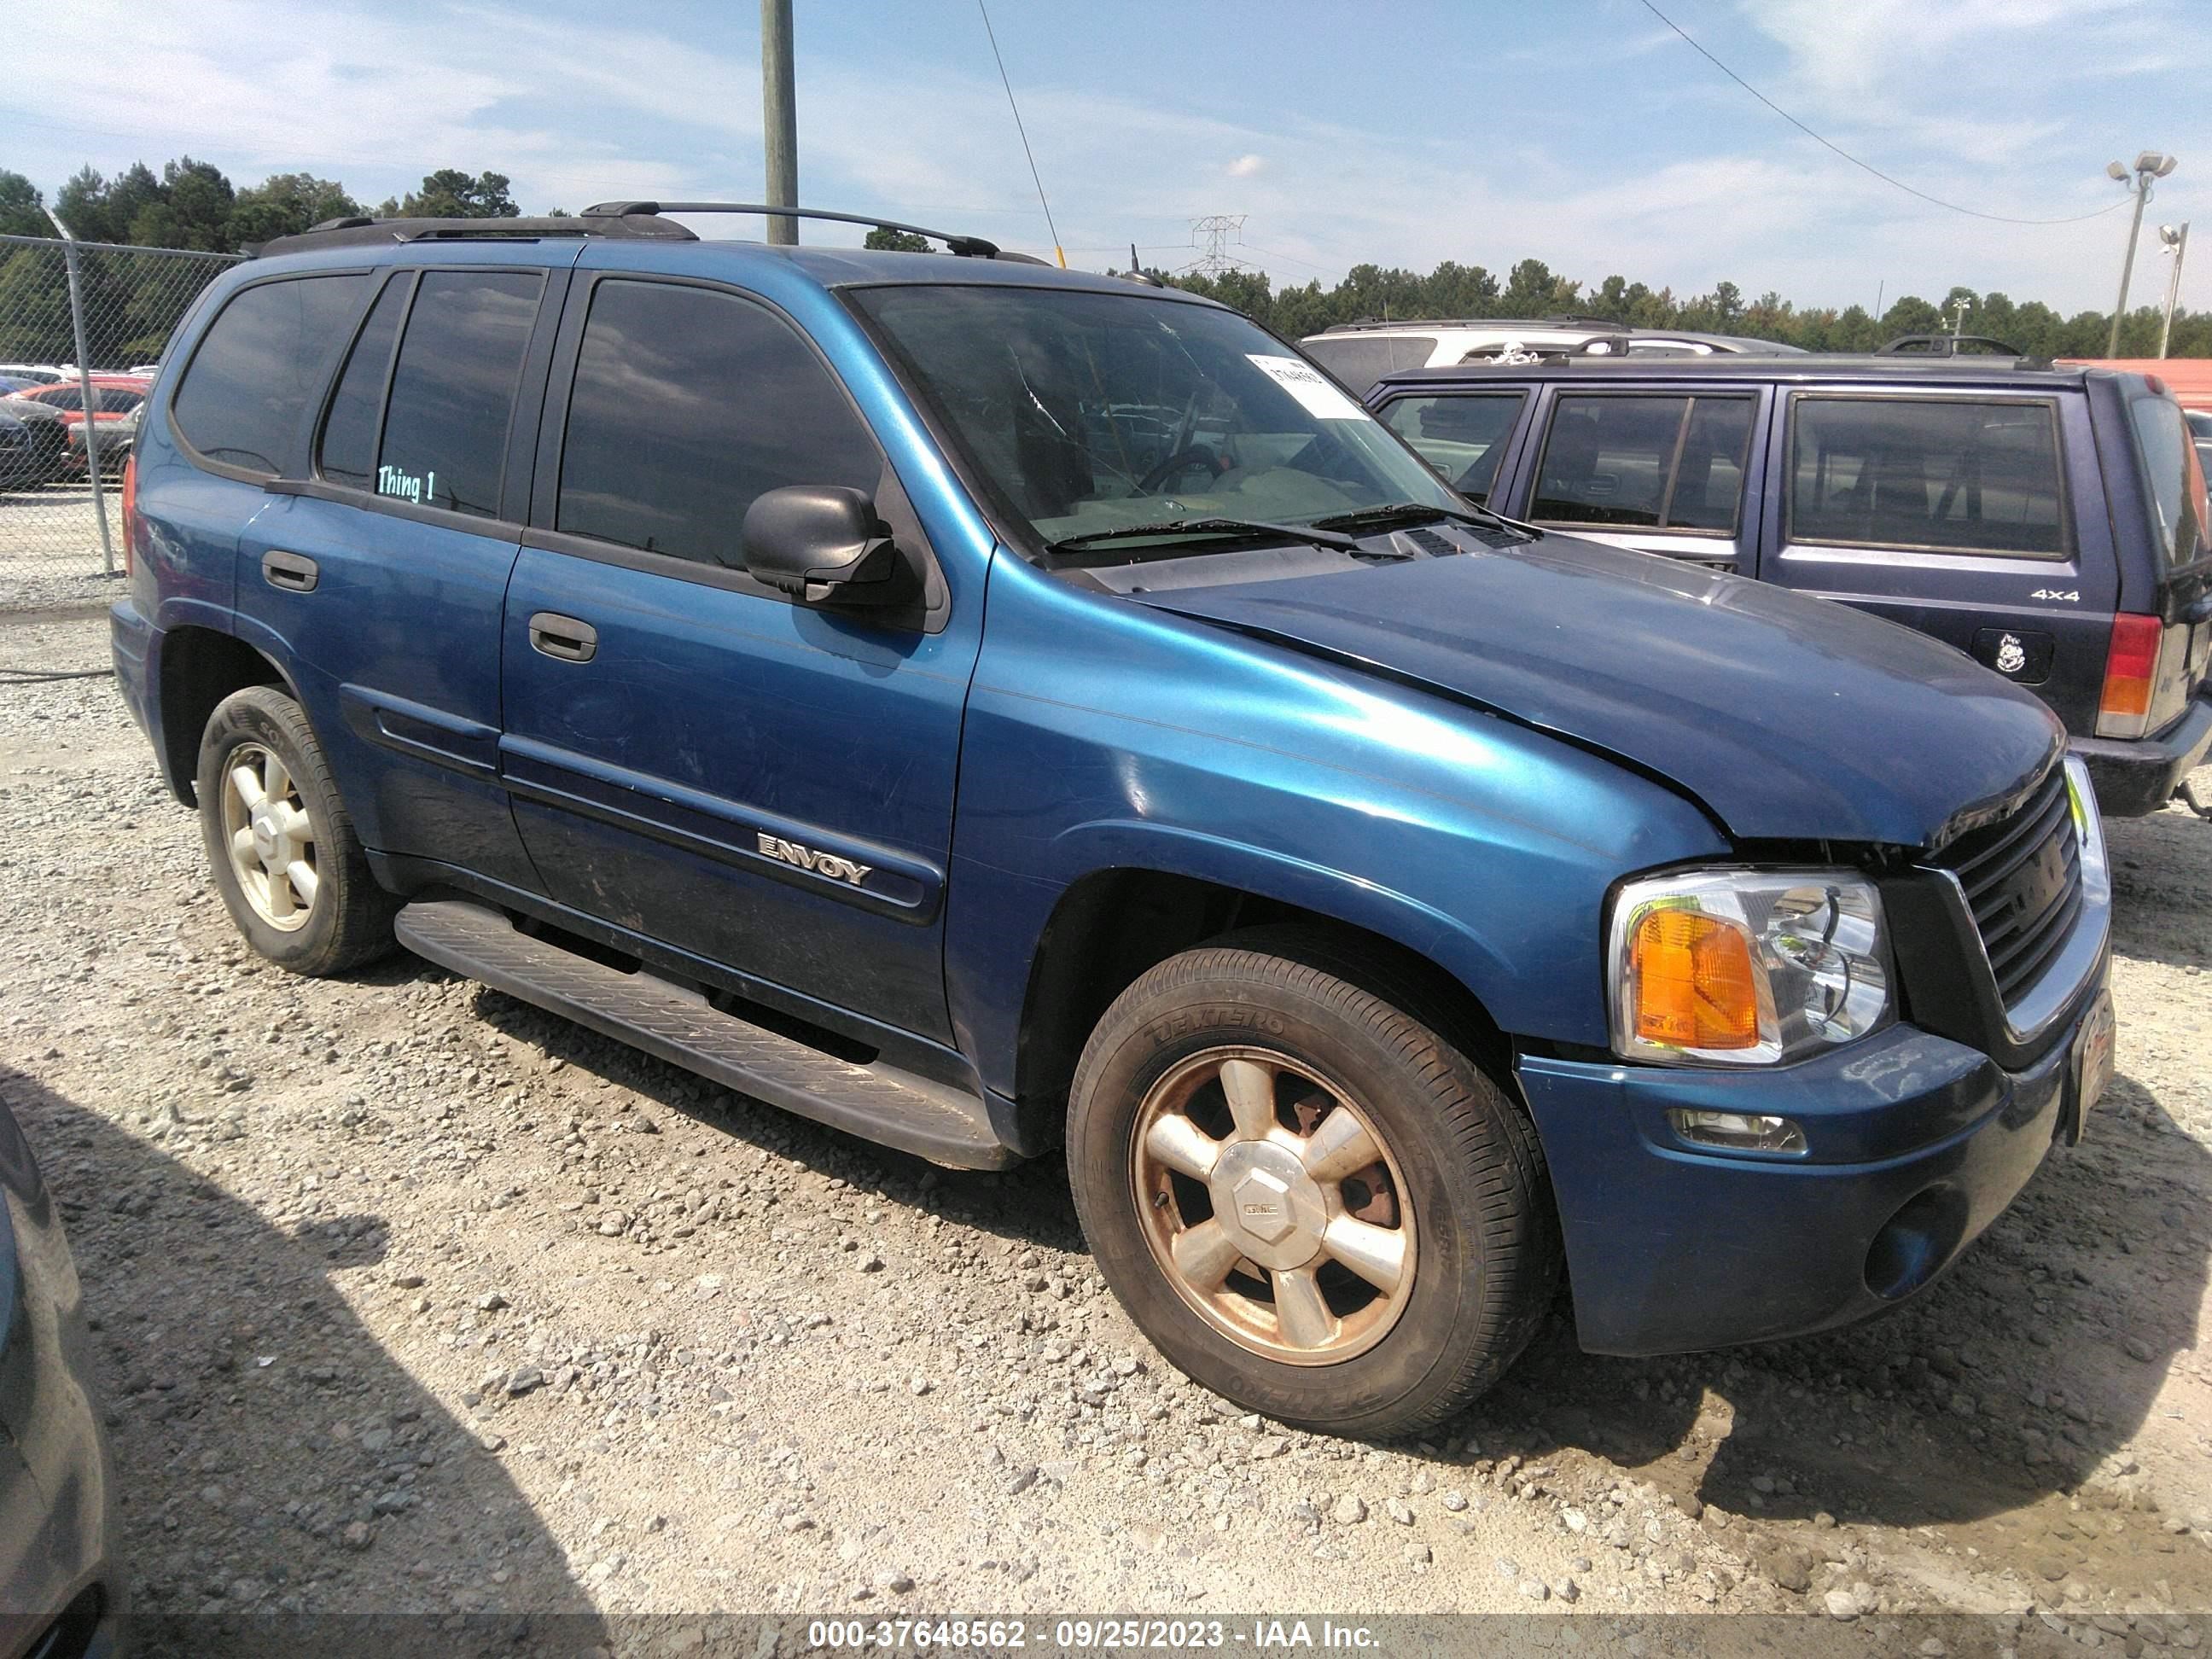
{"x": 2176, "y": 244}
{"x": 779, "y": 118}
{"x": 84, "y": 391}
{"x": 2150, "y": 165}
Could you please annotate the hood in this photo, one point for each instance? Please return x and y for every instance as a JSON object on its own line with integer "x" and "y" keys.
{"x": 1792, "y": 718}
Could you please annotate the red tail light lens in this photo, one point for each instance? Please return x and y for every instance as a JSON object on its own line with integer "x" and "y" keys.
{"x": 2130, "y": 674}
{"x": 129, "y": 511}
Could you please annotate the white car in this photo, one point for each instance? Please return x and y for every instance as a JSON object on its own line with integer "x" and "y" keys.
{"x": 1360, "y": 354}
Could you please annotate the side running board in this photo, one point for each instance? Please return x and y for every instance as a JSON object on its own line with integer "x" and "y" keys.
{"x": 877, "y": 1103}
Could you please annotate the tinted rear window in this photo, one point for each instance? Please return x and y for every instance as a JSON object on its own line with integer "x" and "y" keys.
{"x": 349, "y": 432}
{"x": 1649, "y": 462}
{"x": 688, "y": 404}
{"x": 244, "y": 399}
{"x": 452, "y": 394}
{"x": 2174, "y": 475}
{"x": 1927, "y": 475}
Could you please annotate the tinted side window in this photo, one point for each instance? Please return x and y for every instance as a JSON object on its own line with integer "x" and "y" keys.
{"x": 1653, "y": 463}
{"x": 452, "y": 394}
{"x": 688, "y": 404}
{"x": 244, "y": 401}
{"x": 1709, "y": 476}
{"x": 2176, "y": 479}
{"x": 1463, "y": 437}
{"x": 349, "y": 451}
{"x": 118, "y": 400}
{"x": 1941, "y": 476}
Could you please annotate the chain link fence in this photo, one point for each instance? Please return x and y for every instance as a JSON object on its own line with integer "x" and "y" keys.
{"x": 76, "y": 318}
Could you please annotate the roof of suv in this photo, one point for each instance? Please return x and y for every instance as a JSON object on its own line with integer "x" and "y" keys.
{"x": 1806, "y": 367}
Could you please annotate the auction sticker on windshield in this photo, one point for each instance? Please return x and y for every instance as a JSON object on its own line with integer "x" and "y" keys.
{"x": 1320, "y": 395}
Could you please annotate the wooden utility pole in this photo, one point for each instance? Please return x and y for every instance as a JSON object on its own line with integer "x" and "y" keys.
{"x": 779, "y": 118}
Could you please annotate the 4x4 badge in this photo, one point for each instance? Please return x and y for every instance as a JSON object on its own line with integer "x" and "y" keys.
{"x": 822, "y": 864}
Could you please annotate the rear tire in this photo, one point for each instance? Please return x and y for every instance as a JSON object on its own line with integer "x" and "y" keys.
{"x": 1213, "y": 1118}
{"x": 280, "y": 844}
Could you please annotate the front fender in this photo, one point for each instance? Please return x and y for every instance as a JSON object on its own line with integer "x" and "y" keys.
{"x": 1104, "y": 736}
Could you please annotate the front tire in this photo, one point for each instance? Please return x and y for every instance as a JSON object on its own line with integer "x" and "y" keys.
{"x": 280, "y": 843}
{"x": 1310, "y": 1200}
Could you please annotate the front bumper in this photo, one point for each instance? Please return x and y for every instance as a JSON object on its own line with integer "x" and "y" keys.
{"x": 1916, "y": 1144}
{"x": 2139, "y": 776}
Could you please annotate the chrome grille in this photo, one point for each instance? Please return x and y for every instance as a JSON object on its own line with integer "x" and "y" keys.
{"x": 2022, "y": 879}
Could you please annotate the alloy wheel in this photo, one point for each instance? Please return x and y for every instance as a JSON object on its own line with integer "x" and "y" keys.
{"x": 271, "y": 837}
{"x": 1274, "y": 1206}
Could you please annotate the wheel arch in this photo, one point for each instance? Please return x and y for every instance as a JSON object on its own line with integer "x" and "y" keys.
{"x": 200, "y": 667}
{"x": 1108, "y": 927}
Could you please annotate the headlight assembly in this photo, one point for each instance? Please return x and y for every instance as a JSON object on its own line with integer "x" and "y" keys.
{"x": 1746, "y": 967}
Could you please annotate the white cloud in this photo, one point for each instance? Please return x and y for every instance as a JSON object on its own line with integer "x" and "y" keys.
{"x": 1954, "y": 95}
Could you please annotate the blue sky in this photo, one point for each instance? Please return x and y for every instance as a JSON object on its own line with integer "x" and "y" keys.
{"x": 1580, "y": 131}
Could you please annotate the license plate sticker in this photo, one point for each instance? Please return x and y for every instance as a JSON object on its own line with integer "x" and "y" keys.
{"x": 2092, "y": 1062}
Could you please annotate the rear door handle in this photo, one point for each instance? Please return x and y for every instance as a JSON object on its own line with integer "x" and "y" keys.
{"x": 563, "y": 637}
{"x": 296, "y": 572}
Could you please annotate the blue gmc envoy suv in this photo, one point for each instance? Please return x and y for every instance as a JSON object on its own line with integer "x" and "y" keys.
{"x": 988, "y": 708}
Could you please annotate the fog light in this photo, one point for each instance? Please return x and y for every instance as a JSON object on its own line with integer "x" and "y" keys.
{"x": 1739, "y": 1132}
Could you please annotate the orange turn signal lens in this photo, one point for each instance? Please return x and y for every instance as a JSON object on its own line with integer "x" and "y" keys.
{"x": 1694, "y": 984}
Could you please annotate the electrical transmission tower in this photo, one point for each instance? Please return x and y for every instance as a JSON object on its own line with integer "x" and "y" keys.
{"x": 1212, "y": 236}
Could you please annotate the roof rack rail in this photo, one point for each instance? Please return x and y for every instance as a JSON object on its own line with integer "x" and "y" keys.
{"x": 355, "y": 230}
{"x": 972, "y": 247}
{"x": 1947, "y": 345}
{"x": 1601, "y": 324}
{"x": 640, "y": 219}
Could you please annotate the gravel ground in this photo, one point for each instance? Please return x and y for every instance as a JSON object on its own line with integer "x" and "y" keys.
{"x": 49, "y": 550}
{"x": 411, "y": 1298}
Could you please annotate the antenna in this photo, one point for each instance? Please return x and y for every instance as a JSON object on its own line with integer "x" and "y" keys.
{"x": 1217, "y": 229}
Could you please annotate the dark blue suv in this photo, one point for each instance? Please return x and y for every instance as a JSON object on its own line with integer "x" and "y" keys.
{"x": 2049, "y": 521}
{"x": 987, "y": 708}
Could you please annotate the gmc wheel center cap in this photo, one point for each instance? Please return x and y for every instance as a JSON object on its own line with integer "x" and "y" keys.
{"x": 1269, "y": 1204}
{"x": 265, "y": 833}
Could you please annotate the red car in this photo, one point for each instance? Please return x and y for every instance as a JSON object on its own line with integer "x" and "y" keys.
{"x": 115, "y": 396}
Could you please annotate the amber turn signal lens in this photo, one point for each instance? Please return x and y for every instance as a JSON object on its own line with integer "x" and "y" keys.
{"x": 1694, "y": 984}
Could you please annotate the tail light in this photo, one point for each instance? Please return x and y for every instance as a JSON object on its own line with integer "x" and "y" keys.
{"x": 130, "y": 512}
{"x": 2130, "y": 676}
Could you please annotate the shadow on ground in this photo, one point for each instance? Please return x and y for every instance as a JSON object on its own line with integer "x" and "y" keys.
{"x": 1989, "y": 1402}
{"x": 286, "y": 1486}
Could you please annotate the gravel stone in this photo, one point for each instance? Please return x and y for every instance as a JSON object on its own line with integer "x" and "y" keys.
{"x": 261, "y": 1176}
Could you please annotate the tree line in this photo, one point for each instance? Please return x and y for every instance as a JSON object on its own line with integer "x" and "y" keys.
{"x": 1530, "y": 289}
{"x": 133, "y": 301}
{"x": 192, "y": 204}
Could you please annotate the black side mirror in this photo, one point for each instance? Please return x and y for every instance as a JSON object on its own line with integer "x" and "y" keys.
{"x": 822, "y": 544}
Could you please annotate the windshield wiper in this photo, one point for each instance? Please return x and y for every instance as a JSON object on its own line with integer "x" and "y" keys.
{"x": 1405, "y": 513}
{"x": 1312, "y": 535}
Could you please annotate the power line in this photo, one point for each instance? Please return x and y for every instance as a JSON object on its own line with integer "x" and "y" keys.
{"x": 1214, "y": 256}
{"x": 1867, "y": 167}
{"x": 992, "y": 36}
{"x": 1306, "y": 265}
